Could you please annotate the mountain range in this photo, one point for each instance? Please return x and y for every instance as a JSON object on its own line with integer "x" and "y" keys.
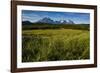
{"x": 51, "y": 21}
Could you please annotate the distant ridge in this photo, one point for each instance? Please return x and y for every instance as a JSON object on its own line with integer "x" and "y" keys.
{"x": 26, "y": 22}
{"x": 47, "y": 23}
{"x": 50, "y": 21}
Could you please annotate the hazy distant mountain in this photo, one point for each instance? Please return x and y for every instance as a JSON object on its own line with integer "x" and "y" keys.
{"x": 50, "y": 21}
{"x": 26, "y": 22}
{"x": 45, "y": 20}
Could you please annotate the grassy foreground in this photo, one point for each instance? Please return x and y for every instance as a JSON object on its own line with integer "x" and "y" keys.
{"x": 55, "y": 44}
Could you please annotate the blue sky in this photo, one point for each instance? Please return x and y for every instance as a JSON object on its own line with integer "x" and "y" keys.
{"x": 78, "y": 18}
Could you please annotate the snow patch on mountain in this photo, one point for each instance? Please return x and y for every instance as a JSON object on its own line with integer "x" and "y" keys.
{"x": 51, "y": 21}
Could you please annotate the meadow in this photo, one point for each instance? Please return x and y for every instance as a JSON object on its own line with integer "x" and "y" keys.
{"x": 55, "y": 44}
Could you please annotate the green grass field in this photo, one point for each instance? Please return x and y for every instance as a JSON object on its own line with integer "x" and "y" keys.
{"x": 55, "y": 44}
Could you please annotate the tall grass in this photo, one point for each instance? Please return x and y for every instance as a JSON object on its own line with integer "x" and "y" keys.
{"x": 55, "y": 44}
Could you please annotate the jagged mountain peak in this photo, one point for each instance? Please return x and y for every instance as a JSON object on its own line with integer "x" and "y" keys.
{"x": 51, "y": 21}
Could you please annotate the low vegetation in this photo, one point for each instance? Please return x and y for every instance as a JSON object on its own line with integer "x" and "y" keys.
{"x": 63, "y": 43}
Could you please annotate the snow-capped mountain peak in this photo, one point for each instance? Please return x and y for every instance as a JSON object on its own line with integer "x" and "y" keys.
{"x": 51, "y": 21}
